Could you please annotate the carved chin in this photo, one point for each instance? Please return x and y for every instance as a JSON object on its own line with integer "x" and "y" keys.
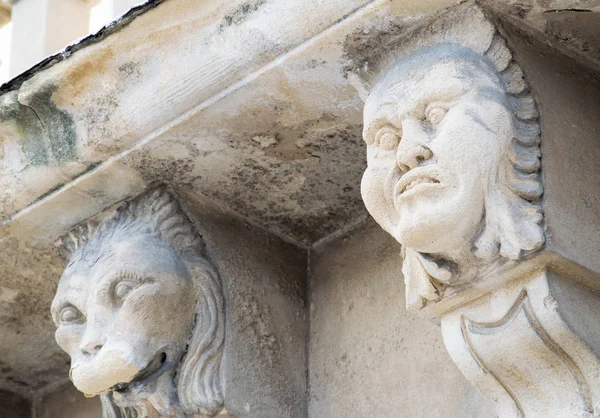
{"x": 110, "y": 372}
{"x": 422, "y": 237}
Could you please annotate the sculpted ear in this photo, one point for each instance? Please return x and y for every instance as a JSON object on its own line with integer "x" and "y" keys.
{"x": 199, "y": 378}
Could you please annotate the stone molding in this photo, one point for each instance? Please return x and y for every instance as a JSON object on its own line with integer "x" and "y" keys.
{"x": 514, "y": 346}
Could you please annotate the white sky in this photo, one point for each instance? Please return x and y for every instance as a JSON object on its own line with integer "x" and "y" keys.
{"x": 100, "y": 15}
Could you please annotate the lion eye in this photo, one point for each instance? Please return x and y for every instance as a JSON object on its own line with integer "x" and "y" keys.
{"x": 388, "y": 138}
{"x": 435, "y": 115}
{"x": 123, "y": 289}
{"x": 70, "y": 315}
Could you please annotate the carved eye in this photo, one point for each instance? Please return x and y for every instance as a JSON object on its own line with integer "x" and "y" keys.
{"x": 70, "y": 315}
{"x": 387, "y": 138}
{"x": 435, "y": 115}
{"x": 123, "y": 289}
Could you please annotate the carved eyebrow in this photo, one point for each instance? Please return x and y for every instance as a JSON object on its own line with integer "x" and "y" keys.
{"x": 445, "y": 93}
{"x": 111, "y": 279}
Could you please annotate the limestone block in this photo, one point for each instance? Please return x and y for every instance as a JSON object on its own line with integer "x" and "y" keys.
{"x": 368, "y": 356}
{"x": 264, "y": 282}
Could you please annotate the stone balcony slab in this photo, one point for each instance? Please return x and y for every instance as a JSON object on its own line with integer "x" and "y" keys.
{"x": 246, "y": 104}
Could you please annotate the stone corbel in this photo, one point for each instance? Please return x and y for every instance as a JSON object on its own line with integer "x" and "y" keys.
{"x": 453, "y": 151}
{"x": 140, "y": 311}
{"x": 514, "y": 346}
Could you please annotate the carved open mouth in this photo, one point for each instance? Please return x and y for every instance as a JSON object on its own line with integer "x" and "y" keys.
{"x": 151, "y": 371}
{"x": 416, "y": 182}
{"x": 416, "y": 178}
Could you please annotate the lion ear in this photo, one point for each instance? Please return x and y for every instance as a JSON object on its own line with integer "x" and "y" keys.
{"x": 111, "y": 410}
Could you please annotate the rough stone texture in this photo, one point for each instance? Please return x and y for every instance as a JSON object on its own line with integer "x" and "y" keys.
{"x": 579, "y": 307}
{"x": 368, "y": 356}
{"x": 14, "y": 406}
{"x": 29, "y": 358}
{"x": 67, "y": 402}
{"x": 218, "y": 48}
{"x": 577, "y": 29}
{"x": 572, "y": 23}
{"x": 266, "y": 318}
{"x": 567, "y": 93}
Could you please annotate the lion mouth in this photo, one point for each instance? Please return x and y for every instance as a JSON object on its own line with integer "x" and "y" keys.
{"x": 151, "y": 371}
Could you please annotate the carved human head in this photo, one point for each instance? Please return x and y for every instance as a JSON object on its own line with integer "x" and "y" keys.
{"x": 453, "y": 161}
{"x": 139, "y": 309}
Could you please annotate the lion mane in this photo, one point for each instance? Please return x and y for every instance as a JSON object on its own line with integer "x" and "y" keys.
{"x": 157, "y": 214}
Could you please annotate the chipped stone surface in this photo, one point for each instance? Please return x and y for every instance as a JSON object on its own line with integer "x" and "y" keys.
{"x": 29, "y": 357}
{"x": 573, "y": 24}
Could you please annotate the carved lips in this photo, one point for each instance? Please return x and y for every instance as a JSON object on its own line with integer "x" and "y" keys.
{"x": 152, "y": 370}
{"x": 416, "y": 179}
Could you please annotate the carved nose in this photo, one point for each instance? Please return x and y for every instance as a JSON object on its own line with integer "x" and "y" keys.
{"x": 91, "y": 348}
{"x": 92, "y": 342}
{"x": 410, "y": 158}
{"x": 412, "y": 150}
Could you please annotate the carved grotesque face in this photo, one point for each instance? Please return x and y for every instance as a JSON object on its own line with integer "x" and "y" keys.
{"x": 124, "y": 314}
{"x": 435, "y": 131}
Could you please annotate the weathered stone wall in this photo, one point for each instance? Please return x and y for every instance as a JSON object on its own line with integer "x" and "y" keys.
{"x": 368, "y": 356}
{"x": 264, "y": 285}
{"x": 13, "y": 405}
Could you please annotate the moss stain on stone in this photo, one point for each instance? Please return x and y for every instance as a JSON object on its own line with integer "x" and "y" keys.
{"x": 241, "y": 13}
{"x": 61, "y": 135}
{"x": 46, "y": 134}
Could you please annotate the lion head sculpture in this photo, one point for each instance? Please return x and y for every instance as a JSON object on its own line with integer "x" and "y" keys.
{"x": 139, "y": 309}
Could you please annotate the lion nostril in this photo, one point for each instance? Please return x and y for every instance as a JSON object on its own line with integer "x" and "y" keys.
{"x": 91, "y": 349}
